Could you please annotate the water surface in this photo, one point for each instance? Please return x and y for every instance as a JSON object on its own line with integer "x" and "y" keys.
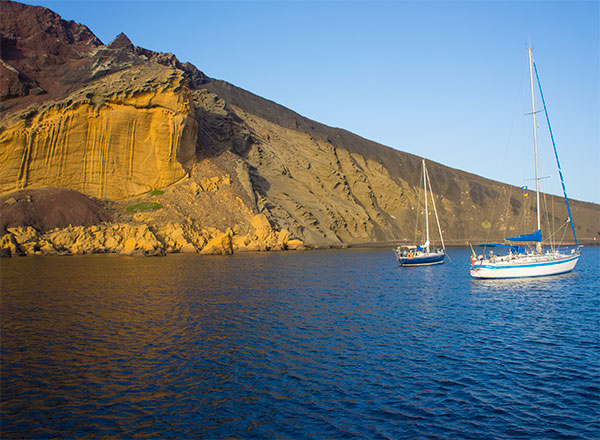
{"x": 319, "y": 344}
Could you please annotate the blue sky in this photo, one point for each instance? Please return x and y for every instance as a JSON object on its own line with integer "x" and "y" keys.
{"x": 446, "y": 80}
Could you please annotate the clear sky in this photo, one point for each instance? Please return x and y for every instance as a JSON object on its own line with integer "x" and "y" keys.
{"x": 446, "y": 80}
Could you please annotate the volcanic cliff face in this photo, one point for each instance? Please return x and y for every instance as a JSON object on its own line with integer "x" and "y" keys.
{"x": 138, "y": 128}
{"x": 122, "y": 135}
{"x": 37, "y": 49}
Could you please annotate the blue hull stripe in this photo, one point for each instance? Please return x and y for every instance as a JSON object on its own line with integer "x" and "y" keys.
{"x": 415, "y": 261}
{"x": 548, "y": 263}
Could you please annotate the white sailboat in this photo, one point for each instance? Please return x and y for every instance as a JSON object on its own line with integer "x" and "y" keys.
{"x": 423, "y": 255}
{"x": 534, "y": 263}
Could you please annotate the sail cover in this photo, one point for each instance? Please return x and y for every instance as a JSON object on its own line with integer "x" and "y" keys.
{"x": 513, "y": 247}
{"x": 536, "y": 236}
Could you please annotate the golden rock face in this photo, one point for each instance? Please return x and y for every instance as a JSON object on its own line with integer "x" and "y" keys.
{"x": 107, "y": 145}
{"x": 141, "y": 240}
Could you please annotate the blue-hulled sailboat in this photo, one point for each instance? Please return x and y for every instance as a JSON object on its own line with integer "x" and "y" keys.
{"x": 534, "y": 263}
{"x": 423, "y": 255}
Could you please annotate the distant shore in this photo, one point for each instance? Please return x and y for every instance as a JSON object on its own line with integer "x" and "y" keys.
{"x": 459, "y": 243}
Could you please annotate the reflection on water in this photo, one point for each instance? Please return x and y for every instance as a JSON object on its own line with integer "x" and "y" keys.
{"x": 528, "y": 284}
{"x": 292, "y": 345}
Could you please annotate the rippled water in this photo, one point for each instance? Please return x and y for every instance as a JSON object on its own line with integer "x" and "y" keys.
{"x": 320, "y": 344}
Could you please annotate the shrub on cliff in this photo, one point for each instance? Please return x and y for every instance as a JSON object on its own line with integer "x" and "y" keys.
{"x": 143, "y": 207}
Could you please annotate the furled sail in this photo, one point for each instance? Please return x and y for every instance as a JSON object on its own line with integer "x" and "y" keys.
{"x": 513, "y": 247}
{"x": 535, "y": 236}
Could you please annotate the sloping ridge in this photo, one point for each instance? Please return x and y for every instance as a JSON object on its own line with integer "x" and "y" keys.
{"x": 468, "y": 200}
{"x": 399, "y": 163}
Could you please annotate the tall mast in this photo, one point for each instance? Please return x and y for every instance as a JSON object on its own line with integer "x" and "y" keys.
{"x": 435, "y": 211}
{"x": 562, "y": 180}
{"x": 537, "y": 180}
{"x": 426, "y": 213}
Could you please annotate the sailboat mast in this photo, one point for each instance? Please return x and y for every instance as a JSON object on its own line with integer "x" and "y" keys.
{"x": 537, "y": 180}
{"x": 426, "y": 213}
{"x": 435, "y": 211}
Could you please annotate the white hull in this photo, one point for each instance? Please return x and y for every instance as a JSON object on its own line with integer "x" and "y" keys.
{"x": 533, "y": 264}
{"x": 524, "y": 266}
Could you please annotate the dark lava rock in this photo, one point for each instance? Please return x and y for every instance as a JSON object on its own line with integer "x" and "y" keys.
{"x": 47, "y": 208}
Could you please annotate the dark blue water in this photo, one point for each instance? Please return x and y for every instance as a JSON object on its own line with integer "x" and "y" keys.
{"x": 320, "y": 344}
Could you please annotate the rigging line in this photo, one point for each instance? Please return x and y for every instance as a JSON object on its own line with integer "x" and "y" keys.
{"x": 544, "y": 205}
{"x": 547, "y": 218}
{"x": 522, "y": 218}
{"x": 553, "y": 215}
{"x": 554, "y": 234}
{"x": 562, "y": 181}
{"x": 507, "y": 211}
{"x": 493, "y": 215}
{"x": 435, "y": 210}
{"x": 418, "y": 216}
{"x": 562, "y": 239}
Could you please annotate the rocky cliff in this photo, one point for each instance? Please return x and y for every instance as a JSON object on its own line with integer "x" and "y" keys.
{"x": 122, "y": 135}
{"x": 159, "y": 145}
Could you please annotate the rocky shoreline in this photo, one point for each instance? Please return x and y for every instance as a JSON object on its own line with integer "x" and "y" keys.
{"x": 144, "y": 240}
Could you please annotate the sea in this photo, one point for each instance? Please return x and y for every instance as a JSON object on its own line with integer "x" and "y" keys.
{"x": 321, "y": 344}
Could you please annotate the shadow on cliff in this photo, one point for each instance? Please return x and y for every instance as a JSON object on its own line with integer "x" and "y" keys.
{"x": 220, "y": 133}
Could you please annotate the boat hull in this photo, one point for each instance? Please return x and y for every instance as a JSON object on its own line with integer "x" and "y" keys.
{"x": 427, "y": 259}
{"x": 525, "y": 267}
